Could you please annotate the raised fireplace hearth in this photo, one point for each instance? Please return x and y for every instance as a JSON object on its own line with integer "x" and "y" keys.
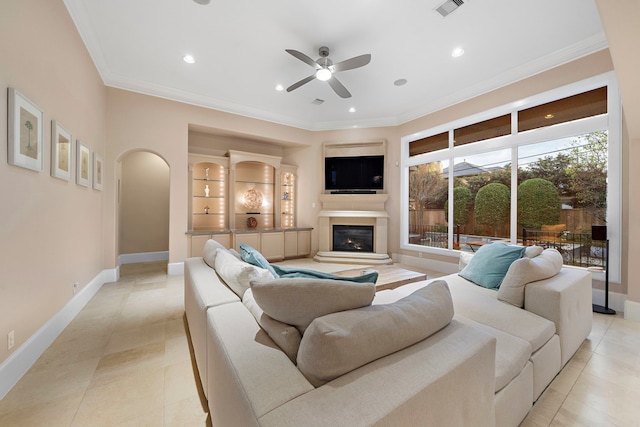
{"x": 362, "y": 214}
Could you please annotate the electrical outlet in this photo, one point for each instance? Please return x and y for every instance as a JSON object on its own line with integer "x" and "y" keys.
{"x": 11, "y": 340}
{"x": 420, "y": 254}
{"x": 75, "y": 287}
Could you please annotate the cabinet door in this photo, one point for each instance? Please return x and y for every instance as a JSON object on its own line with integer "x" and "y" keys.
{"x": 272, "y": 246}
{"x": 290, "y": 244}
{"x": 304, "y": 242}
{"x": 197, "y": 244}
{"x": 223, "y": 239}
{"x": 251, "y": 239}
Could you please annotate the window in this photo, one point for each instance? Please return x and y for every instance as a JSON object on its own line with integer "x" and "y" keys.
{"x": 545, "y": 182}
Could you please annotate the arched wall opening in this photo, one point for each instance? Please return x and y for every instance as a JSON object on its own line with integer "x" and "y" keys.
{"x": 143, "y": 181}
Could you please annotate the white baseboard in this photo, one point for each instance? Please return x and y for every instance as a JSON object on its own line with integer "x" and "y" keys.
{"x": 175, "y": 269}
{"x": 632, "y": 310}
{"x": 21, "y": 360}
{"x": 616, "y": 300}
{"x": 143, "y": 257}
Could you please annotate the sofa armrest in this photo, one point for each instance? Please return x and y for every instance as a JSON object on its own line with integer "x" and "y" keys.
{"x": 565, "y": 299}
{"x": 202, "y": 289}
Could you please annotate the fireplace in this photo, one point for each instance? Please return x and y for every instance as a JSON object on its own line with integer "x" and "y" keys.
{"x": 353, "y": 238}
{"x": 361, "y": 214}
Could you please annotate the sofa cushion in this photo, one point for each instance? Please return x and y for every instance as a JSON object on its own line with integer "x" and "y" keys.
{"x": 299, "y": 301}
{"x": 235, "y": 273}
{"x": 341, "y": 342}
{"x": 209, "y": 252}
{"x": 533, "y": 251}
{"x": 285, "y": 336}
{"x": 527, "y": 270}
{"x": 482, "y": 305}
{"x": 254, "y": 257}
{"x": 489, "y": 265}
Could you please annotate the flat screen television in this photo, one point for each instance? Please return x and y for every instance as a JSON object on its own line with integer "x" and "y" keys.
{"x": 360, "y": 173}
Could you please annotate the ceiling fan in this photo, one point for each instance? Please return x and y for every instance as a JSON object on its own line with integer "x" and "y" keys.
{"x": 325, "y": 69}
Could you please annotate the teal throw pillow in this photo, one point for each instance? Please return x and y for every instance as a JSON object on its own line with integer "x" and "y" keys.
{"x": 252, "y": 256}
{"x": 489, "y": 265}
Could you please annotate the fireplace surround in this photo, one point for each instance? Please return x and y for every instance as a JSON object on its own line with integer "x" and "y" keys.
{"x": 355, "y": 210}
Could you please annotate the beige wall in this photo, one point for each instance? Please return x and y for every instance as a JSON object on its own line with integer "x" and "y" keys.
{"x": 620, "y": 19}
{"x": 50, "y": 230}
{"x": 144, "y": 204}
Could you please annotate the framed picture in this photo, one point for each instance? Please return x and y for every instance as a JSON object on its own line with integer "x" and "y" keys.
{"x": 98, "y": 167}
{"x": 60, "y": 152}
{"x": 83, "y": 164}
{"x": 25, "y": 132}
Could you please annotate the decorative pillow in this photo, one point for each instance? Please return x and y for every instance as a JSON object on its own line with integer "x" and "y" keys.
{"x": 489, "y": 265}
{"x": 294, "y": 272}
{"x": 252, "y": 256}
{"x": 299, "y": 301}
{"x": 533, "y": 251}
{"x": 465, "y": 257}
{"x": 237, "y": 274}
{"x": 527, "y": 270}
{"x": 285, "y": 336}
{"x": 235, "y": 253}
{"x": 341, "y": 342}
{"x": 209, "y": 252}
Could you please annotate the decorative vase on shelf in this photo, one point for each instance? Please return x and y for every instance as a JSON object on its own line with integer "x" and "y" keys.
{"x": 206, "y": 190}
{"x": 206, "y": 209}
{"x": 206, "y": 173}
{"x": 252, "y": 222}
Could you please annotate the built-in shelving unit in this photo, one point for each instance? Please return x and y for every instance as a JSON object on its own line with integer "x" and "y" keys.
{"x": 245, "y": 198}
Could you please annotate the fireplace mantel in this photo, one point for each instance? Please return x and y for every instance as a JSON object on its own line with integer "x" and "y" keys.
{"x": 353, "y": 209}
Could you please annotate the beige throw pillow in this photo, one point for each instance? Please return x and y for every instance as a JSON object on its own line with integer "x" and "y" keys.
{"x": 526, "y": 270}
{"x": 341, "y": 342}
{"x": 210, "y": 250}
{"x": 297, "y": 301}
{"x": 236, "y": 273}
{"x": 285, "y": 336}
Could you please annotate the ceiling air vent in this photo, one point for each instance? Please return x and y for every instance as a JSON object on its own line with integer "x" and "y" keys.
{"x": 317, "y": 101}
{"x": 449, "y": 6}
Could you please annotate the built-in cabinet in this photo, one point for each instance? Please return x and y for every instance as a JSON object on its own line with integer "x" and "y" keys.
{"x": 245, "y": 198}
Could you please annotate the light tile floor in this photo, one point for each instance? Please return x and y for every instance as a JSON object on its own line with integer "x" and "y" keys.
{"x": 125, "y": 361}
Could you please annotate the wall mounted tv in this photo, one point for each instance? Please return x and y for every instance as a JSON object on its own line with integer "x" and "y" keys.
{"x": 359, "y": 173}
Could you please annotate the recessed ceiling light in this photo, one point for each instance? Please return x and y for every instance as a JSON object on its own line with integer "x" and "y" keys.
{"x": 549, "y": 116}
{"x": 400, "y": 82}
{"x": 352, "y": 110}
{"x": 457, "y": 52}
{"x": 279, "y": 88}
{"x": 189, "y": 59}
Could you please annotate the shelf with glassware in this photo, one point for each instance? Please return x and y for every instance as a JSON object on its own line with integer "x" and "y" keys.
{"x": 288, "y": 197}
{"x": 208, "y": 191}
{"x": 254, "y": 188}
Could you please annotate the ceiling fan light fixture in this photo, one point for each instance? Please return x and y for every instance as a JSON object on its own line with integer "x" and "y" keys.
{"x": 323, "y": 74}
{"x": 457, "y": 52}
{"x": 189, "y": 59}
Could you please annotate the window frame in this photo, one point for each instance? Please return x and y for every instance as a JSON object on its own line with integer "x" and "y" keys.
{"x": 612, "y": 122}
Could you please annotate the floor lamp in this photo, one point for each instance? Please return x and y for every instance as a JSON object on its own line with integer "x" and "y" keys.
{"x": 599, "y": 232}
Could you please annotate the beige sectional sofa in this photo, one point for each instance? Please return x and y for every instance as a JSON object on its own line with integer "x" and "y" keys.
{"x": 486, "y": 367}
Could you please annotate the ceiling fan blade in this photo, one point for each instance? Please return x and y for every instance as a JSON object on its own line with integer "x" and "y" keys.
{"x": 301, "y": 82}
{"x": 338, "y": 87}
{"x": 304, "y": 58}
{"x": 350, "y": 64}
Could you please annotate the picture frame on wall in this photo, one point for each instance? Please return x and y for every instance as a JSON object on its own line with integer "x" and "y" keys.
{"x": 61, "y": 149}
{"x": 83, "y": 164}
{"x": 98, "y": 170}
{"x": 25, "y": 131}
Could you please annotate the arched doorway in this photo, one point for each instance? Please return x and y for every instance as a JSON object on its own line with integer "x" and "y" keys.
{"x": 143, "y": 208}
